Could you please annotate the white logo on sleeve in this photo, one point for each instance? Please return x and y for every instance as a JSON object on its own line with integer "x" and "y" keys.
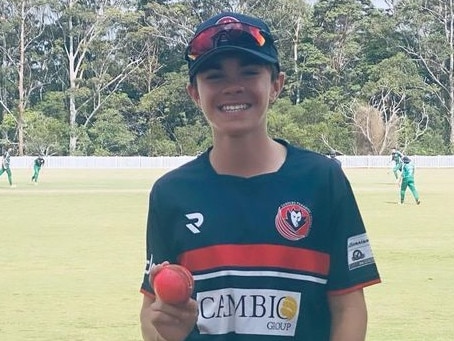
{"x": 359, "y": 251}
{"x": 196, "y": 221}
{"x": 149, "y": 265}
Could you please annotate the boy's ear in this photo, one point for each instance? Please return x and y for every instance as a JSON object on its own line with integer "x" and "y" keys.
{"x": 193, "y": 92}
{"x": 278, "y": 85}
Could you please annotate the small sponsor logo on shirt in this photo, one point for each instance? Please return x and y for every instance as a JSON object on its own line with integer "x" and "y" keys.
{"x": 293, "y": 221}
{"x": 196, "y": 221}
{"x": 359, "y": 251}
{"x": 148, "y": 265}
{"x": 248, "y": 311}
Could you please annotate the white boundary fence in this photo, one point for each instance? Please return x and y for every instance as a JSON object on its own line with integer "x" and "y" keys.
{"x": 169, "y": 162}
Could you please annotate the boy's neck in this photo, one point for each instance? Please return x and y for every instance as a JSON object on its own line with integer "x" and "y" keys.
{"x": 247, "y": 158}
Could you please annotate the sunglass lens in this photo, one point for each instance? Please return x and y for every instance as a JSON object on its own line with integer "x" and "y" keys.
{"x": 211, "y": 37}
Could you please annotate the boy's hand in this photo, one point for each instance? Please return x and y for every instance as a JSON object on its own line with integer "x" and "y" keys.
{"x": 171, "y": 322}
{"x": 174, "y": 323}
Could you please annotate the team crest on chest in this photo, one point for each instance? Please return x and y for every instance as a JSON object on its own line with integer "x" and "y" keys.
{"x": 293, "y": 221}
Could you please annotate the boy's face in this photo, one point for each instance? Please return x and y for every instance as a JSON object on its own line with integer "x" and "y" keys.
{"x": 234, "y": 93}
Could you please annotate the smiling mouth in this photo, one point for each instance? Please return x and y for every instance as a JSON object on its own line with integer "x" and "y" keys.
{"x": 234, "y": 107}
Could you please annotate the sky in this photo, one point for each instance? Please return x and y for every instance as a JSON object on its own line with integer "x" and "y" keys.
{"x": 380, "y": 3}
{"x": 377, "y": 3}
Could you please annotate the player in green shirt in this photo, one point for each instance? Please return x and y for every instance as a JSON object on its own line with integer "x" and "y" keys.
{"x": 6, "y": 160}
{"x": 408, "y": 180}
{"x": 38, "y": 163}
{"x": 396, "y": 158}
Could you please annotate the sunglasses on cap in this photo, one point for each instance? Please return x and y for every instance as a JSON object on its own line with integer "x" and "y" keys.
{"x": 235, "y": 33}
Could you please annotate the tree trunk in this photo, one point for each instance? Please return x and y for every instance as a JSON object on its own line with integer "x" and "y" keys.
{"x": 451, "y": 120}
{"x": 450, "y": 33}
{"x": 295, "y": 61}
{"x": 20, "y": 87}
{"x": 72, "y": 88}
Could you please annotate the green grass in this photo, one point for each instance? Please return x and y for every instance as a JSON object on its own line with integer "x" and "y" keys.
{"x": 413, "y": 246}
{"x": 72, "y": 254}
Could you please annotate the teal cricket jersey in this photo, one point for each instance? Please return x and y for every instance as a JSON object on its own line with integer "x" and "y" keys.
{"x": 397, "y": 157}
{"x": 6, "y": 160}
{"x": 265, "y": 251}
{"x": 39, "y": 161}
{"x": 408, "y": 171}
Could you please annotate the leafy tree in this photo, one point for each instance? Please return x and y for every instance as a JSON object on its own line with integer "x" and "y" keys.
{"x": 293, "y": 33}
{"x": 395, "y": 91}
{"x": 155, "y": 141}
{"x": 45, "y": 135}
{"x": 171, "y": 105}
{"x": 7, "y": 130}
{"x": 338, "y": 29}
{"x": 193, "y": 139}
{"x": 53, "y": 104}
{"x": 22, "y": 57}
{"x": 95, "y": 42}
{"x": 109, "y": 135}
{"x": 109, "y": 76}
{"x": 310, "y": 125}
{"x": 426, "y": 28}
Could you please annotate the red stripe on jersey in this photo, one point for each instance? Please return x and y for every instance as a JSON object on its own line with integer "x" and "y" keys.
{"x": 256, "y": 255}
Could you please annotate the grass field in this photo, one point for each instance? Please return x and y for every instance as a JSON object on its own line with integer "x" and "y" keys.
{"x": 72, "y": 255}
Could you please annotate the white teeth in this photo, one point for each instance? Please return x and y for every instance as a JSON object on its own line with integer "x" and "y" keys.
{"x": 236, "y": 107}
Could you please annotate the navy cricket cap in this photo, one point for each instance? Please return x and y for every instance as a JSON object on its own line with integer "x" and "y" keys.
{"x": 231, "y": 32}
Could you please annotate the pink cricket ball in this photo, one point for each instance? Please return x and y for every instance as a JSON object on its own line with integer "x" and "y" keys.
{"x": 173, "y": 284}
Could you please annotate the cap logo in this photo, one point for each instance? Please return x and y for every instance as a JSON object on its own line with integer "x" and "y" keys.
{"x": 227, "y": 20}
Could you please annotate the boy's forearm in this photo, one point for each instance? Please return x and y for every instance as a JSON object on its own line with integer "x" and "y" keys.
{"x": 349, "y": 331}
{"x": 349, "y": 317}
{"x": 149, "y": 333}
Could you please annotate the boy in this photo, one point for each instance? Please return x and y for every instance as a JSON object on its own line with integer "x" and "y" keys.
{"x": 271, "y": 232}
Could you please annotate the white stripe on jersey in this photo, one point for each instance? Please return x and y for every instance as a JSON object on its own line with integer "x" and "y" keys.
{"x": 277, "y": 274}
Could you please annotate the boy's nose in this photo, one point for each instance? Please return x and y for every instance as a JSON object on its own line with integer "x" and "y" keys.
{"x": 233, "y": 86}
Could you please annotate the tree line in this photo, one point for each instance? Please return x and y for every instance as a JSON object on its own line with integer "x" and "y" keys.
{"x": 107, "y": 77}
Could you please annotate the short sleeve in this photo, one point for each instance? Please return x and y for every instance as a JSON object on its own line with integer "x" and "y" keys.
{"x": 352, "y": 262}
{"x": 157, "y": 249}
